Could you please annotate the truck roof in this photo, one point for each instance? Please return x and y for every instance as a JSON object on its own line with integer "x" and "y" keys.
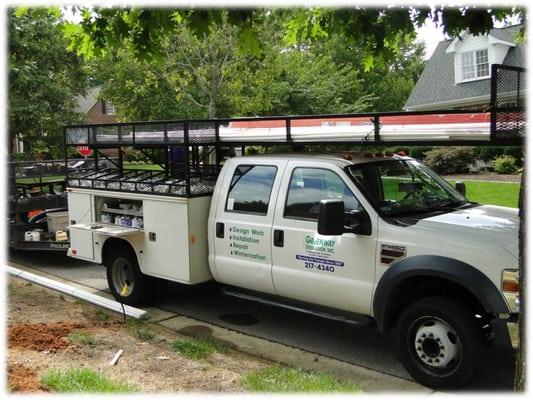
{"x": 339, "y": 160}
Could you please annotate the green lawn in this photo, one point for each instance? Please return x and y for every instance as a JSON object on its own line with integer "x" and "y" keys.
{"x": 83, "y": 381}
{"x": 43, "y": 179}
{"x": 279, "y": 379}
{"x": 494, "y": 193}
{"x": 151, "y": 167}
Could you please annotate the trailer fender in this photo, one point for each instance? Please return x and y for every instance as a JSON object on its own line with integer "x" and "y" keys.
{"x": 387, "y": 295}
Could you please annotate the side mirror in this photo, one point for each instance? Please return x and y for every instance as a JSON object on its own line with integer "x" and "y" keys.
{"x": 461, "y": 188}
{"x": 358, "y": 222}
{"x": 331, "y": 217}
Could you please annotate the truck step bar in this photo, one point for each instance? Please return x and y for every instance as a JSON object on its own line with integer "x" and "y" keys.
{"x": 322, "y": 312}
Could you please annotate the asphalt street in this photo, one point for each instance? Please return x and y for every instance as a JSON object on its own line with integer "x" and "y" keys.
{"x": 359, "y": 345}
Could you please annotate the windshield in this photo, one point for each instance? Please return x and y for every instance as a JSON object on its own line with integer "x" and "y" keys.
{"x": 404, "y": 187}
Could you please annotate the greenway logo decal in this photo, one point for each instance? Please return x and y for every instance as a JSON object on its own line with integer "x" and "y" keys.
{"x": 318, "y": 254}
{"x": 320, "y": 245}
{"x": 244, "y": 242}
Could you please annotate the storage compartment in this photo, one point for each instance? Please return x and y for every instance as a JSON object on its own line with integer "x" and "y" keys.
{"x": 122, "y": 212}
{"x": 57, "y": 221}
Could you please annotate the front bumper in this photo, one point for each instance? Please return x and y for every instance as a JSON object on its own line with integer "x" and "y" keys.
{"x": 506, "y": 331}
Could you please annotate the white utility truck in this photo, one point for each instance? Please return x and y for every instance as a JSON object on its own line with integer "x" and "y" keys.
{"x": 380, "y": 236}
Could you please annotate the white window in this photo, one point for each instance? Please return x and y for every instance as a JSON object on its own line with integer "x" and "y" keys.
{"x": 474, "y": 64}
{"x": 109, "y": 108}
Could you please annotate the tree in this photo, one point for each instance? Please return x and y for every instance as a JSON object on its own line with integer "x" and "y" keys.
{"x": 377, "y": 31}
{"x": 44, "y": 79}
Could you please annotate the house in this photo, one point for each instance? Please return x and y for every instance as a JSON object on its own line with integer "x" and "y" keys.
{"x": 457, "y": 76}
{"x": 96, "y": 111}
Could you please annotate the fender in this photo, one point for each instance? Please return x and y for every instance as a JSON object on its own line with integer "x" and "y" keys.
{"x": 434, "y": 266}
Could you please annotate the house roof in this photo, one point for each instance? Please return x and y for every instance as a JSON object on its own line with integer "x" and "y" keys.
{"x": 436, "y": 86}
{"x": 85, "y": 103}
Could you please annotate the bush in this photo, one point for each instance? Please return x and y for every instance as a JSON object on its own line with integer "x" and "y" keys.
{"x": 419, "y": 152}
{"x": 517, "y": 153}
{"x": 450, "y": 160}
{"x": 488, "y": 153}
{"x": 504, "y": 164}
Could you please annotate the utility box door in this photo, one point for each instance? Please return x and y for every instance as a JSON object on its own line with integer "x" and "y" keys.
{"x": 166, "y": 238}
{"x": 81, "y": 242}
{"x": 79, "y": 208}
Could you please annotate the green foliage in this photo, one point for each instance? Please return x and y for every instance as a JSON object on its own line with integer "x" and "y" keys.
{"x": 488, "y": 153}
{"x": 279, "y": 379}
{"x": 495, "y": 193}
{"x": 44, "y": 79}
{"x": 517, "y": 152}
{"x": 504, "y": 164}
{"x": 419, "y": 152}
{"x": 449, "y": 160}
{"x": 140, "y": 329}
{"x": 83, "y": 381}
{"x": 82, "y": 338}
{"x": 378, "y": 32}
{"x": 198, "y": 348}
{"x": 212, "y": 77}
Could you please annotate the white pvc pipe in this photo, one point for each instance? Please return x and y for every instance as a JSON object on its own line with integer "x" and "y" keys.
{"x": 78, "y": 293}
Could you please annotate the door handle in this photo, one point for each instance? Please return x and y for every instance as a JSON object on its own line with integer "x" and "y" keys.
{"x": 220, "y": 230}
{"x": 279, "y": 237}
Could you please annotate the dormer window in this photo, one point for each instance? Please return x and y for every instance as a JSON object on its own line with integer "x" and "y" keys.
{"x": 475, "y": 64}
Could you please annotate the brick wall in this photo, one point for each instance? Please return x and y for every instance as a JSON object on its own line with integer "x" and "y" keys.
{"x": 96, "y": 116}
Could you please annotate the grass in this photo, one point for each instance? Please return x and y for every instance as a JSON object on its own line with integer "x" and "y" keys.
{"x": 279, "y": 379}
{"x": 198, "y": 348}
{"x": 83, "y": 381}
{"x": 82, "y": 338}
{"x": 147, "y": 167}
{"x": 140, "y": 330}
{"x": 494, "y": 193}
{"x": 101, "y": 315}
{"x": 43, "y": 179}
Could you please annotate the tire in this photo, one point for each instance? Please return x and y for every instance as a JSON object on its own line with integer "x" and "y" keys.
{"x": 439, "y": 342}
{"x": 123, "y": 273}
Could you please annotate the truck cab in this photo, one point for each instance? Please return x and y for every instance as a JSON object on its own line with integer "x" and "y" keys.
{"x": 379, "y": 236}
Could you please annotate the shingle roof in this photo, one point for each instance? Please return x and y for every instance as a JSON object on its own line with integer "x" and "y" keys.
{"x": 437, "y": 82}
{"x": 85, "y": 103}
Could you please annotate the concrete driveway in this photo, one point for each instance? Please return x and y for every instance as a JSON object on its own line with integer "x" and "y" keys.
{"x": 360, "y": 345}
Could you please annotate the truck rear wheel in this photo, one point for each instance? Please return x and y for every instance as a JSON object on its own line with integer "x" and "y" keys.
{"x": 127, "y": 283}
{"x": 439, "y": 342}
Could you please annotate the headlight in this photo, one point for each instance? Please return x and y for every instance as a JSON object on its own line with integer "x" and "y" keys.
{"x": 511, "y": 288}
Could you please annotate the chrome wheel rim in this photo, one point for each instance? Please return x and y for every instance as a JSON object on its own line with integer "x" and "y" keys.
{"x": 436, "y": 345}
{"x": 123, "y": 277}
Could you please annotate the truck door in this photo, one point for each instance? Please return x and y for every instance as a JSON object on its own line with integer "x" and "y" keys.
{"x": 334, "y": 271}
{"x": 243, "y": 226}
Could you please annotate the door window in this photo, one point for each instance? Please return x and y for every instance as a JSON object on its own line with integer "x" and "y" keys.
{"x": 250, "y": 189}
{"x": 308, "y": 186}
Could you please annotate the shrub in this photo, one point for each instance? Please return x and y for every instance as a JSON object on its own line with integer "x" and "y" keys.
{"x": 504, "y": 164}
{"x": 488, "y": 153}
{"x": 517, "y": 152}
{"x": 419, "y": 152}
{"x": 450, "y": 160}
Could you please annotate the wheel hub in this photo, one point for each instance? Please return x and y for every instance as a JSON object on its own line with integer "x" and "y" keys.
{"x": 123, "y": 278}
{"x": 436, "y": 343}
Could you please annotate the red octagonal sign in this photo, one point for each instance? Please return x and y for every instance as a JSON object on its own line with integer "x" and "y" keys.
{"x": 84, "y": 151}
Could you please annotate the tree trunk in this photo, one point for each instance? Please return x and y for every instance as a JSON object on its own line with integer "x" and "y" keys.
{"x": 520, "y": 374}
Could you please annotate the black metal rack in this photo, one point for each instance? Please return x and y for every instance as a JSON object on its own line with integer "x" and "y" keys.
{"x": 200, "y": 139}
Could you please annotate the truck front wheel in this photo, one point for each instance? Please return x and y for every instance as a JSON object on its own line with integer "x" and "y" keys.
{"x": 439, "y": 342}
{"x": 127, "y": 283}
